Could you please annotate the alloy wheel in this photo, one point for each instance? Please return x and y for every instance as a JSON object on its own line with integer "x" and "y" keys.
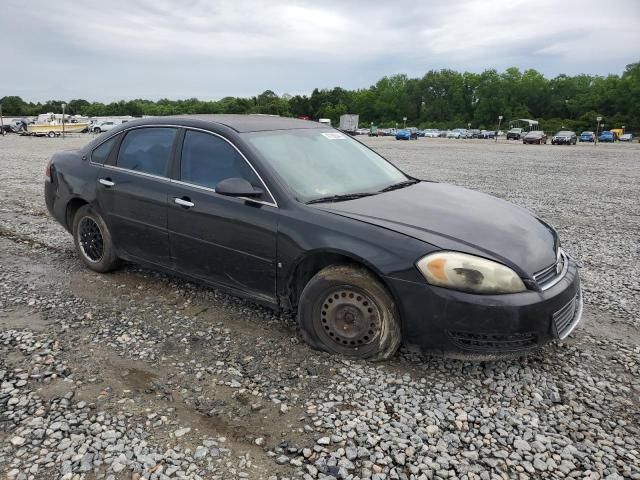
{"x": 90, "y": 239}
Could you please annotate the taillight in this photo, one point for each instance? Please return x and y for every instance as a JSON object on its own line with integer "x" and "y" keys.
{"x": 47, "y": 171}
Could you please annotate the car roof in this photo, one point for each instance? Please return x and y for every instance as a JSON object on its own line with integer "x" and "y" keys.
{"x": 239, "y": 123}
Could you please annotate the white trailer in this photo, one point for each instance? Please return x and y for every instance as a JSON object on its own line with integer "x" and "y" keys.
{"x": 349, "y": 122}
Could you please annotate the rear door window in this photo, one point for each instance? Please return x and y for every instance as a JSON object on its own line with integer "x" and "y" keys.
{"x": 207, "y": 159}
{"x": 147, "y": 150}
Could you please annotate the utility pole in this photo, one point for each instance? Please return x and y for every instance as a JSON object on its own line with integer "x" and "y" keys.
{"x": 599, "y": 119}
{"x": 64, "y": 105}
{"x": 499, "y": 123}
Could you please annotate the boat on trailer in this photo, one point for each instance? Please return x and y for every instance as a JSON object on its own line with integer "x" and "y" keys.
{"x": 52, "y": 126}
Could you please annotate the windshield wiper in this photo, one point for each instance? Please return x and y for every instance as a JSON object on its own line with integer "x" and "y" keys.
{"x": 341, "y": 198}
{"x": 396, "y": 186}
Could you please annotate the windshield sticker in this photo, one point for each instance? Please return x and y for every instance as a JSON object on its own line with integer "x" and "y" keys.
{"x": 334, "y": 136}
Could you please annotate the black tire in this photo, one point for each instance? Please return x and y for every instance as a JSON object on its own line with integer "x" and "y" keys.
{"x": 51, "y": 134}
{"x": 97, "y": 253}
{"x": 346, "y": 310}
{"x": 97, "y": 130}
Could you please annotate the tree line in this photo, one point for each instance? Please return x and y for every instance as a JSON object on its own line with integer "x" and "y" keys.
{"x": 440, "y": 99}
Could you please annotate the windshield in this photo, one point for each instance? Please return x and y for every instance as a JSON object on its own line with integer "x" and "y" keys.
{"x": 563, "y": 132}
{"x": 317, "y": 163}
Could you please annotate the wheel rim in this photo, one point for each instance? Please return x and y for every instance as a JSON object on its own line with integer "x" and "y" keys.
{"x": 348, "y": 319}
{"x": 90, "y": 239}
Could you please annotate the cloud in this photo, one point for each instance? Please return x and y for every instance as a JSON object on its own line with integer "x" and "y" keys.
{"x": 158, "y": 48}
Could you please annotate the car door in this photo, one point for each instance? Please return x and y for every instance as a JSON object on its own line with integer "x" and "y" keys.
{"x": 226, "y": 240}
{"x": 132, "y": 193}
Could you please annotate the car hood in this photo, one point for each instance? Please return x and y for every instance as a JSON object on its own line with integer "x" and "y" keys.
{"x": 456, "y": 218}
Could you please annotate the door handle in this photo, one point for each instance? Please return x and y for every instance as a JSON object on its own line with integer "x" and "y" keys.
{"x": 106, "y": 182}
{"x": 184, "y": 202}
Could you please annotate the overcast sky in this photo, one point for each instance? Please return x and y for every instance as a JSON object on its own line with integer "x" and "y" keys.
{"x": 124, "y": 49}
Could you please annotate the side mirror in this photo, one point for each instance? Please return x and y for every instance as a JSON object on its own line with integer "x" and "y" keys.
{"x": 237, "y": 187}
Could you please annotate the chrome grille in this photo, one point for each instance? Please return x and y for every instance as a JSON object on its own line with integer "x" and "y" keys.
{"x": 553, "y": 273}
{"x": 567, "y": 317}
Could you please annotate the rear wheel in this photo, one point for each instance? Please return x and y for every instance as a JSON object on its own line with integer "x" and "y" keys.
{"x": 93, "y": 240}
{"x": 346, "y": 310}
{"x": 51, "y": 134}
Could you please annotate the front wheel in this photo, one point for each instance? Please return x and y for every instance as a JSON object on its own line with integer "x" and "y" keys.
{"x": 51, "y": 134}
{"x": 346, "y": 310}
{"x": 93, "y": 240}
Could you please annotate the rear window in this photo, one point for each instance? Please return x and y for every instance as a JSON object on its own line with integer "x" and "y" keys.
{"x": 147, "y": 150}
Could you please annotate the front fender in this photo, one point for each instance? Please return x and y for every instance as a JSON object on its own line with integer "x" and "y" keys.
{"x": 313, "y": 232}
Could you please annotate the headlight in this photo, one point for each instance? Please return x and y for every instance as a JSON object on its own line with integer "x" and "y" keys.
{"x": 469, "y": 273}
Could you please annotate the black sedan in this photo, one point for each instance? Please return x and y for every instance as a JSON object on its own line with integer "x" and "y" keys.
{"x": 298, "y": 216}
{"x": 564, "y": 137}
{"x": 535, "y": 137}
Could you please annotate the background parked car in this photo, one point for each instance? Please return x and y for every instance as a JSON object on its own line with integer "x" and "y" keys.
{"x": 627, "y": 137}
{"x": 473, "y": 133}
{"x": 488, "y": 134}
{"x": 457, "y": 133}
{"x": 607, "y": 136}
{"x": 515, "y": 134}
{"x": 564, "y": 137}
{"x": 104, "y": 126}
{"x": 403, "y": 135}
{"x": 535, "y": 136}
{"x": 432, "y": 133}
{"x": 407, "y": 134}
{"x": 587, "y": 137}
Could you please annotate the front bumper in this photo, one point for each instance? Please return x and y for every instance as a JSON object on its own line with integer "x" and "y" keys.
{"x": 446, "y": 321}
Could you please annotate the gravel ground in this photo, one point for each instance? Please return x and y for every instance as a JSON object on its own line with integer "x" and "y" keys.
{"x": 139, "y": 375}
